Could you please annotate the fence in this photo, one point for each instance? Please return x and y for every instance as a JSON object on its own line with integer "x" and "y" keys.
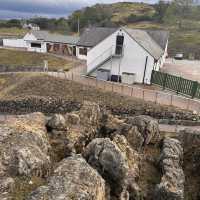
{"x": 157, "y": 97}
{"x": 178, "y": 84}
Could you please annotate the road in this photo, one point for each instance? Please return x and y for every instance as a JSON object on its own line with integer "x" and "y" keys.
{"x": 189, "y": 69}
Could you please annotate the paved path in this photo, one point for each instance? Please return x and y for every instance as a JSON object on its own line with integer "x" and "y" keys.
{"x": 189, "y": 69}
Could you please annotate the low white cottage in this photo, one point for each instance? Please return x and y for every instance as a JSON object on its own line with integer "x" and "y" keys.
{"x": 127, "y": 55}
{"x": 43, "y": 42}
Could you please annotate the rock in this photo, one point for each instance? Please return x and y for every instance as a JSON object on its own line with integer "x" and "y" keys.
{"x": 57, "y": 122}
{"x": 90, "y": 114}
{"x": 25, "y": 148}
{"x": 172, "y": 181}
{"x": 116, "y": 163}
{"x": 72, "y": 179}
{"x": 70, "y": 133}
{"x": 147, "y": 126}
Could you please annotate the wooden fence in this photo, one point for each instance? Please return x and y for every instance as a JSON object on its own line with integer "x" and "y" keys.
{"x": 178, "y": 84}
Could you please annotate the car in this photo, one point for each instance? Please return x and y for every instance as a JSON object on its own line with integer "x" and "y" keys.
{"x": 179, "y": 56}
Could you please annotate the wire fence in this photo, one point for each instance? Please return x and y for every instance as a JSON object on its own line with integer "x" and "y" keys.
{"x": 133, "y": 91}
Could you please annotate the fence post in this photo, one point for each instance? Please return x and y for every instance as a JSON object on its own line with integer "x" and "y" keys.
{"x": 165, "y": 81}
{"x": 194, "y": 89}
{"x": 179, "y": 85}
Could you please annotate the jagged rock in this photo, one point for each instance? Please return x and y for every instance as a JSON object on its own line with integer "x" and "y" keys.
{"x": 116, "y": 162}
{"x": 24, "y": 148}
{"x": 90, "y": 114}
{"x": 72, "y": 179}
{"x": 172, "y": 181}
{"x": 74, "y": 130}
{"x": 57, "y": 122}
{"x": 147, "y": 126}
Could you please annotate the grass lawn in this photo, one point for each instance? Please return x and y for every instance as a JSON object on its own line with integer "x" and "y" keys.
{"x": 16, "y": 58}
{"x": 13, "y": 32}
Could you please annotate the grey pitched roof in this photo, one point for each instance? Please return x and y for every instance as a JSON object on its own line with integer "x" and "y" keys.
{"x": 160, "y": 36}
{"x": 144, "y": 39}
{"x": 92, "y": 36}
{"x": 50, "y": 37}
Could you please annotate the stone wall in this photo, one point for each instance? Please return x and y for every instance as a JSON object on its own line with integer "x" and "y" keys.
{"x": 56, "y": 105}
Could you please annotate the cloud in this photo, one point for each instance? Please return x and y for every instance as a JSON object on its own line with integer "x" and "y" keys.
{"x": 25, "y": 8}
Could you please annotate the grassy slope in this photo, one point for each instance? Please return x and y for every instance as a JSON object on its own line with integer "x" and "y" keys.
{"x": 122, "y": 10}
{"x": 12, "y": 32}
{"x": 22, "y": 58}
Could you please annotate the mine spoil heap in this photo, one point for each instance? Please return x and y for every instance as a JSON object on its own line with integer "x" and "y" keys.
{"x": 91, "y": 154}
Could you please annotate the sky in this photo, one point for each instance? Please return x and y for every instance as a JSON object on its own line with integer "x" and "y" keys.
{"x": 48, "y": 8}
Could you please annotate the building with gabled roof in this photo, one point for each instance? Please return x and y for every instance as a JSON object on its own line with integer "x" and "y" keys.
{"x": 124, "y": 54}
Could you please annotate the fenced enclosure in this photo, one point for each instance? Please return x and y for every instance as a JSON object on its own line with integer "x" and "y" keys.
{"x": 133, "y": 91}
{"x": 178, "y": 84}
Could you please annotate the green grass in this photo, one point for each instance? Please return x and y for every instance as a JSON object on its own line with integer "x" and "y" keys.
{"x": 123, "y": 10}
{"x": 13, "y": 32}
{"x": 16, "y": 58}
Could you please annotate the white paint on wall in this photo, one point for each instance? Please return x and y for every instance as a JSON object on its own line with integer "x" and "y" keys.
{"x": 17, "y": 43}
{"x": 132, "y": 61}
{"x": 80, "y": 56}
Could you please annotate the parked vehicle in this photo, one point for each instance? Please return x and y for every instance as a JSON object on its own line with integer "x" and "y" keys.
{"x": 179, "y": 56}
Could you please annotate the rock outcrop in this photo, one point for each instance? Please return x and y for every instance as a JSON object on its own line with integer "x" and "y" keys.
{"x": 70, "y": 133}
{"x": 172, "y": 181}
{"x": 24, "y": 148}
{"x": 147, "y": 127}
{"x": 117, "y": 163}
{"x": 72, "y": 179}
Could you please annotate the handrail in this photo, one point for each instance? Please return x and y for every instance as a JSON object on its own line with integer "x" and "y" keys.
{"x": 101, "y": 55}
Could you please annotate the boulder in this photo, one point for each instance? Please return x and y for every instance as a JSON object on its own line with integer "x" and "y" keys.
{"x": 72, "y": 179}
{"x": 116, "y": 162}
{"x": 148, "y": 128}
{"x": 57, "y": 122}
{"x": 25, "y": 148}
{"x": 70, "y": 133}
{"x": 172, "y": 181}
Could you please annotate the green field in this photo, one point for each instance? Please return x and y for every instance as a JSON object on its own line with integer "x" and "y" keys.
{"x": 16, "y": 58}
{"x": 12, "y": 32}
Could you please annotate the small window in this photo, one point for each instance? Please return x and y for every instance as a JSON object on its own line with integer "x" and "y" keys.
{"x": 36, "y": 45}
{"x": 83, "y": 51}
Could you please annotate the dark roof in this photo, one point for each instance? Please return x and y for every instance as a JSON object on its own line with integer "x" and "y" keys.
{"x": 146, "y": 41}
{"x": 92, "y": 36}
{"x": 58, "y": 38}
{"x": 160, "y": 36}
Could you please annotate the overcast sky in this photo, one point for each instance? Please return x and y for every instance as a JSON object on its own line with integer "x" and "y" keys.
{"x": 48, "y": 8}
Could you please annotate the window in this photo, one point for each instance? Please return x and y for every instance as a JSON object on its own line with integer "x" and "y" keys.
{"x": 83, "y": 51}
{"x": 36, "y": 45}
{"x": 119, "y": 44}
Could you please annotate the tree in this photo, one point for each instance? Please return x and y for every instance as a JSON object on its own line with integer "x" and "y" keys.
{"x": 161, "y": 9}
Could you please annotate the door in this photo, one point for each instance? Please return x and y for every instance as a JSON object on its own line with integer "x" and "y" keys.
{"x": 119, "y": 44}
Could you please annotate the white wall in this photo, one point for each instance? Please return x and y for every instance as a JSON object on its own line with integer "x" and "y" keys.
{"x": 43, "y": 48}
{"x": 79, "y": 56}
{"x": 133, "y": 60}
{"x": 15, "y": 43}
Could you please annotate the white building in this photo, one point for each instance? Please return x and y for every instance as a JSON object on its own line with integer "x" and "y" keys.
{"x": 43, "y": 42}
{"x": 127, "y": 55}
{"x": 31, "y": 26}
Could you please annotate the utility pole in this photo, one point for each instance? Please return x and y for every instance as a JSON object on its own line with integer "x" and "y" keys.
{"x": 78, "y": 26}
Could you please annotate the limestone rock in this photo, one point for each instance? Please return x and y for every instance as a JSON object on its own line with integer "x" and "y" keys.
{"x": 57, "y": 122}
{"x": 116, "y": 162}
{"x": 147, "y": 126}
{"x": 172, "y": 182}
{"x": 24, "y": 148}
{"x": 71, "y": 132}
{"x": 72, "y": 179}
